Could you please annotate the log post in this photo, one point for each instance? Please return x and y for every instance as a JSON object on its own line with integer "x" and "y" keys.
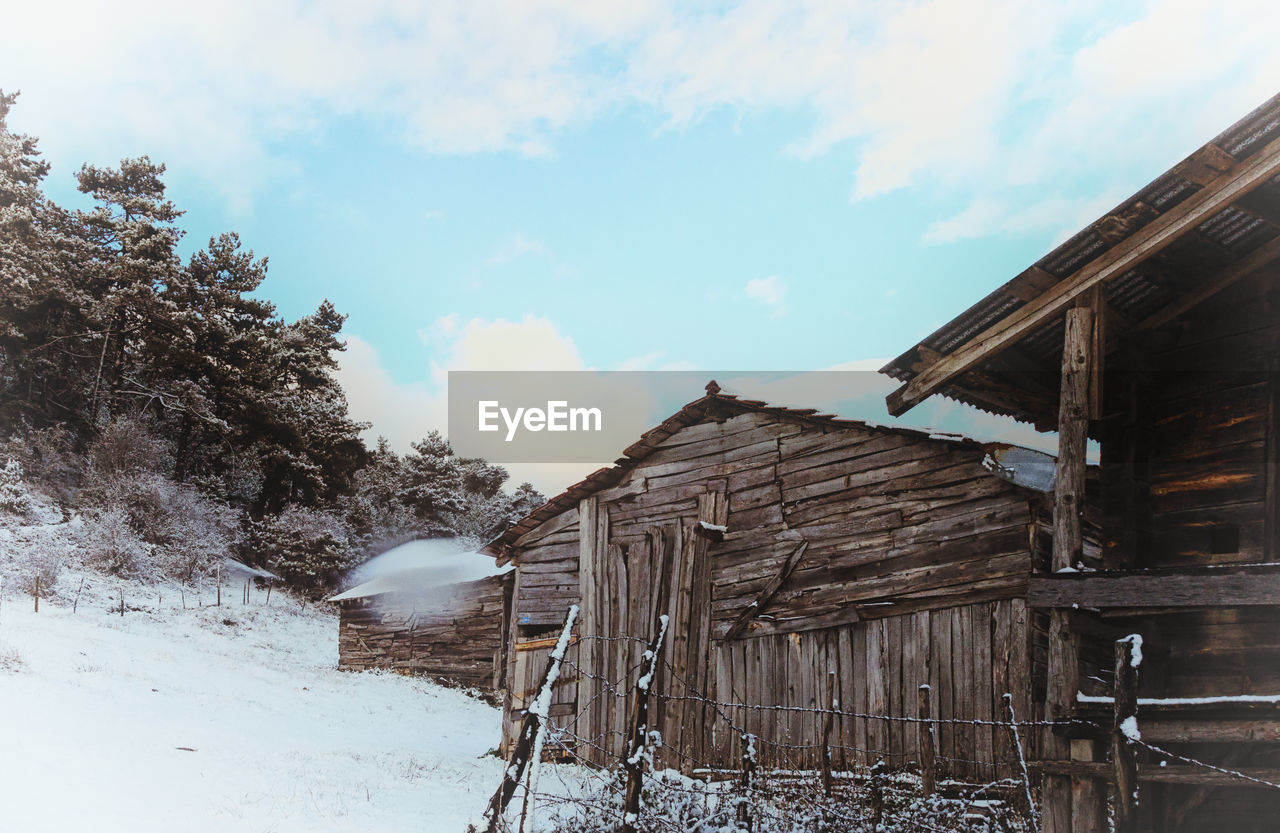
{"x": 928, "y": 761}
{"x": 877, "y": 794}
{"x": 827, "y": 722}
{"x": 1074, "y": 408}
{"x": 37, "y": 593}
{"x": 747, "y": 781}
{"x": 532, "y": 730}
{"x": 639, "y": 734}
{"x": 1124, "y": 731}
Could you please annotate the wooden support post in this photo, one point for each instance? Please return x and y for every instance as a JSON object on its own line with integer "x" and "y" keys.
{"x": 928, "y": 760}
{"x": 747, "y": 781}
{"x": 827, "y": 722}
{"x": 638, "y": 739}
{"x": 1068, "y": 549}
{"x": 1123, "y": 731}
{"x": 219, "y": 587}
{"x": 529, "y": 742}
{"x": 37, "y": 594}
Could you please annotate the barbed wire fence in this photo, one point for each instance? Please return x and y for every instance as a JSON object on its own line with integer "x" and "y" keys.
{"x": 632, "y": 782}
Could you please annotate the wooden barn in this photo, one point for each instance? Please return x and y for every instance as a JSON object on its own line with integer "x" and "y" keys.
{"x": 787, "y": 547}
{"x": 408, "y": 623}
{"x": 1156, "y": 332}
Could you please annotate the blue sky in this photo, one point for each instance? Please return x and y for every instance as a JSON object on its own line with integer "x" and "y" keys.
{"x": 493, "y": 185}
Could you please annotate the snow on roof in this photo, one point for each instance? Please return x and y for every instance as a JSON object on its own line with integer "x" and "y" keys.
{"x": 230, "y": 565}
{"x": 420, "y": 567}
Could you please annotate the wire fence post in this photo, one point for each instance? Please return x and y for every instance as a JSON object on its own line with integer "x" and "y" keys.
{"x": 639, "y": 739}
{"x": 747, "y": 780}
{"x": 928, "y": 759}
{"x": 1022, "y": 762}
{"x": 1124, "y": 731}
{"x": 532, "y": 730}
{"x": 826, "y": 732}
{"x": 37, "y": 594}
{"x": 877, "y": 794}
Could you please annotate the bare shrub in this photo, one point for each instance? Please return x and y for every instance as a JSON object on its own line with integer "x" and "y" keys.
{"x": 128, "y": 445}
{"x": 39, "y": 559}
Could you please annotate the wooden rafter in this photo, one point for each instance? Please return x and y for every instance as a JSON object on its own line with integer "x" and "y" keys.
{"x": 1259, "y": 258}
{"x": 1118, "y": 260}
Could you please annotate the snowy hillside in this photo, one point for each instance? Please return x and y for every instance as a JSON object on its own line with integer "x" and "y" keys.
{"x": 221, "y": 718}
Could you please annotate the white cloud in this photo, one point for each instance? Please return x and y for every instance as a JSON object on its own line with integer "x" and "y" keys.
{"x": 770, "y": 291}
{"x": 977, "y": 98}
{"x": 405, "y": 412}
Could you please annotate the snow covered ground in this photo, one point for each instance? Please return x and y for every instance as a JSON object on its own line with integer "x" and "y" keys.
{"x": 221, "y": 718}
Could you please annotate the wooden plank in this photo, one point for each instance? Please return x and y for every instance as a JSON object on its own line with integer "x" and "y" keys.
{"x": 940, "y": 626}
{"x": 860, "y": 681}
{"x": 894, "y": 657}
{"x": 962, "y": 691}
{"x": 1191, "y": 588}
{"x": 877, "y": 690}
{"x": 1271, "y": 510}
{"x": 1118, "y": 260}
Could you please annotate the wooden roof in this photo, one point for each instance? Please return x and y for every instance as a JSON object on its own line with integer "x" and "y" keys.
{"x": 1209, "y": 221}
{"x": 716, "y": 405}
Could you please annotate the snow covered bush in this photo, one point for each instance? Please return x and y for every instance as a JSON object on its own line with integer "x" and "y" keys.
{"x": 128, "y": 445}
{"x": 48, "y": 459}
{"x": 111, "y": 544}
{"x": 14, "y": 498}
{"x": 778, "y": 803}
{"x": 38, "y": 559}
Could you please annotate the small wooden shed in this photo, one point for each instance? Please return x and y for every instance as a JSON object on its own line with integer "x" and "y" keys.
{"x": 1155, "y": 331}
{"x": 407, "y": 623}
{"x": 795, "y": 546}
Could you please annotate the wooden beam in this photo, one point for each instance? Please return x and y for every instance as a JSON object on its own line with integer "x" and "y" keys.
{"x": 1073, "y": 424}
{"x": 1155, "y": 590}
{"x": 1259, "y": 258}
{"x": 766, "y": 593}
{"x": 1156, "y": 774}
{"x": 1119, "y": 259}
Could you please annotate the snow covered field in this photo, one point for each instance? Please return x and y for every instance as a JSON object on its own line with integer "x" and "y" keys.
{"x": 222, "y": 718}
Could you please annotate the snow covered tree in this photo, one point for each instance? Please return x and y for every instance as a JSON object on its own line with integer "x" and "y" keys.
{"x": 14, "y": 498}
{"x": 309, "y": 548}
{"x": 432, "y": 486}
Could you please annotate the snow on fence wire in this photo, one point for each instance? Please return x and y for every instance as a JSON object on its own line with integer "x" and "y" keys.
{"x": 631, "y": 792}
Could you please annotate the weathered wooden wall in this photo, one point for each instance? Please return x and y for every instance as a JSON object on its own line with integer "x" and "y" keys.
{"x": 1191, "y": 441}
{"x": 969, "y": 655}
{"x": 915, "y": 565}
{"x": 1189, "y": 454}
{"x": 455, "y": 635}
